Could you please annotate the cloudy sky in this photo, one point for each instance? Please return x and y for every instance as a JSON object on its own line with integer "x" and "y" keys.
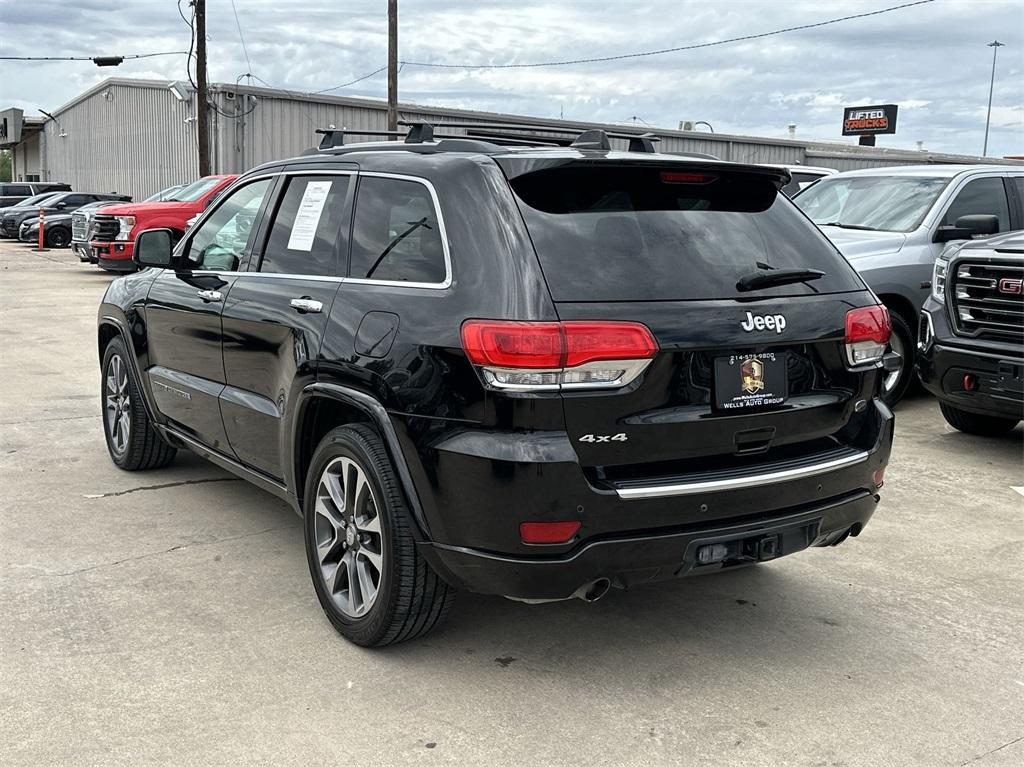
{"x": 931, "y": 59}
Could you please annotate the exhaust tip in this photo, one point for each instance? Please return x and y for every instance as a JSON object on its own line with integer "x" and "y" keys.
{"x": 591, "y": 592}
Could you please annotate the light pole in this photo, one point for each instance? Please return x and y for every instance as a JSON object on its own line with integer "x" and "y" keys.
{"x": 995, "y": 45}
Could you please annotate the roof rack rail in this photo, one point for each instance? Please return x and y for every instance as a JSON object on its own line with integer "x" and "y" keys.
{"x": 594, "y": 138}
{"x": 422, "y": 132}
{"x": 335, "y": 137}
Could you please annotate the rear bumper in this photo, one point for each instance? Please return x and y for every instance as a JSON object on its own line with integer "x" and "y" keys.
{"x": 944, "y": 360}
{"x": 483, "y": 488}
{"x": 647, "y": 558}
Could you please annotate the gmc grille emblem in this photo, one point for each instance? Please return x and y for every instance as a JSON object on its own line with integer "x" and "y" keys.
{"x": 1011, "y": 285}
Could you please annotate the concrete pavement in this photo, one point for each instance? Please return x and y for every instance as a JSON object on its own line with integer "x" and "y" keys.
{"x": 167, "y": 617}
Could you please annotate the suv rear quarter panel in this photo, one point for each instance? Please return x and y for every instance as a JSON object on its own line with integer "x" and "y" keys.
{"x": 425, "y": 381}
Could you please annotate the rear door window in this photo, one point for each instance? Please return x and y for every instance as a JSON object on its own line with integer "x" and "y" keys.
{"x": 396, "y": 235}
{"x": 627, "y": 233}
{"x": 310, "y": 230}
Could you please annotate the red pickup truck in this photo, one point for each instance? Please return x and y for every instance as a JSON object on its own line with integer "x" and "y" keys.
{"x": 117, "y": 226}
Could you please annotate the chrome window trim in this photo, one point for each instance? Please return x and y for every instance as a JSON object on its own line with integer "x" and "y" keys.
{"x": 739, "y": 483}
{"x": 444, "y": 285}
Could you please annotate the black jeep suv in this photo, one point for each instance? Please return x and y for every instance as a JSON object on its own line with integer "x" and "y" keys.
{"x": 533, "y": 371}
{"x": 971, "y": 334}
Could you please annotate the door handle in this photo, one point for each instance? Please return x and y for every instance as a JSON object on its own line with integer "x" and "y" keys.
{"x": 306, "y": 305}
{"x": 210, "y": 295}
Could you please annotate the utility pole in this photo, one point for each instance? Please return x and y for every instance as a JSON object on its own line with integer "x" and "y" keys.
{"x": 202, "y": 91}
{"x": 392, "y": 65}
{"x": 995, "y": 45}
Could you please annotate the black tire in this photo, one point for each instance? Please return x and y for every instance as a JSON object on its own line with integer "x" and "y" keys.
{"x": 904, "y": 336}
{"x": 57, "y": 237}
{"x": 975, "y": 423}
{"x": 410, "y": 599}
{"x": 142, "y": 448}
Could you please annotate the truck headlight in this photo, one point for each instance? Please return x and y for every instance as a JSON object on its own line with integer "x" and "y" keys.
{"x": 941, "y": 265}
{"x": 939, "y": 279}
{"x": 125, "y": 224}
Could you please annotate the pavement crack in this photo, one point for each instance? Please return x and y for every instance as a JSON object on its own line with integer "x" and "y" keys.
{"x": 994, "y": 750}
{"x": 163, "y": 486}
{"x": 180, "y": 547}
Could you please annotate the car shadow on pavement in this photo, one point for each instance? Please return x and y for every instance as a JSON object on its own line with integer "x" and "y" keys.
{"x": 767, "y": 615}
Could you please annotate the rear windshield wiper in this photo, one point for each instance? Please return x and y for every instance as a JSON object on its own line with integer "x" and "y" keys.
{"x": 758, "y": 280}
{"x": 841, "y": 225}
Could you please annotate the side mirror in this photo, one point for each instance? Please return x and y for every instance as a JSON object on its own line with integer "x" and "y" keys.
{"x": 153, "y": 247}
{"x": 60, "y": 205}
{"x": 966, "y": 227}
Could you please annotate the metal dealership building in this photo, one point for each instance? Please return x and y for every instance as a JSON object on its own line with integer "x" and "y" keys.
{"x": 138, "y": 136}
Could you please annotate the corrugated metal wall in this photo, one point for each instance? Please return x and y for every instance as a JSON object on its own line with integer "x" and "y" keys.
{"x": 137, "y": 140}
{"x": 133, "y": 141}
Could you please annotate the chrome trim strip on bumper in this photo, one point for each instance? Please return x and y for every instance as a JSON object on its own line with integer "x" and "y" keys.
{"x": 739, "y": 483}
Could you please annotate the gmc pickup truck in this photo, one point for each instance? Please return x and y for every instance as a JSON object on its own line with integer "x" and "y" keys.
{"x": 115, "y": 229}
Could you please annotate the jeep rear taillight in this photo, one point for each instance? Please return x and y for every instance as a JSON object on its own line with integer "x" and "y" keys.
{"x": 867, "y": 334}
{"x": 545, "y": 356}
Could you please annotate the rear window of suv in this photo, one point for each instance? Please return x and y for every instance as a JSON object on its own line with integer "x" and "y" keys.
{"x": 606, "y": 233}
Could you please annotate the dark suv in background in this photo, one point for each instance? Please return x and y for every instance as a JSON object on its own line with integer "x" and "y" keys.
{"x": 66, "y": 202}
{"x": 532, "y": 371}
{"x": 12, "y": 192}
{"x": 971, "y": 334}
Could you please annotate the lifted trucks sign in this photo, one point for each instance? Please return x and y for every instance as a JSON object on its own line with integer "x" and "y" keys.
{"x": 862, "y": 121}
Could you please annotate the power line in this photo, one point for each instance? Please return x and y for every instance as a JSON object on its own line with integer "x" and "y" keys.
{"x": 353, "y": 82}
{"x": 628, "y": 55}
{"x": 92, "y": 58}
{"x": 241, "y": 37}
{"x": 661, "y": 51}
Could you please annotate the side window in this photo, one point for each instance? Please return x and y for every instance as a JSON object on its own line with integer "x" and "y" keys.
{"x": 219, "y": 243}
{"x": 983, "y": 195}
{"x": 308, "y": 235}
{"x": 17, "y": 189}
{"x": 1018, "y": 181}
{"x": 396, "y": 235}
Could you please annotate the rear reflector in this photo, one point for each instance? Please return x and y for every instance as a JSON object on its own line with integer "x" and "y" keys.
{"x": 548, "y": 532}
{"x": 867, "y": 334}
{"x": 555, "y": 355}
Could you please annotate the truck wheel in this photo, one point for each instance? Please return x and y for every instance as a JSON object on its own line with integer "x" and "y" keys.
{"x": 895, "y": 384}
{"x": 975, "y": 423}
{"x": 372, "y": 582}
{"x": 57, "y": 237}
{"x": 132, "y": 441}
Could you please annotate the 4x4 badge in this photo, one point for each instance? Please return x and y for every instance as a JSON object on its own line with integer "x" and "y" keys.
{"x": 752, "y": 375}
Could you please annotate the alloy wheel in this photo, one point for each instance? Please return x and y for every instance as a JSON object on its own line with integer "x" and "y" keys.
{"x": 119, "y": 404}
{"x": 349, "y": 541}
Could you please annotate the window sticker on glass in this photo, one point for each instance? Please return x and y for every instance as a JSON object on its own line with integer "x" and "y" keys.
{"x": 308, "y": 218}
